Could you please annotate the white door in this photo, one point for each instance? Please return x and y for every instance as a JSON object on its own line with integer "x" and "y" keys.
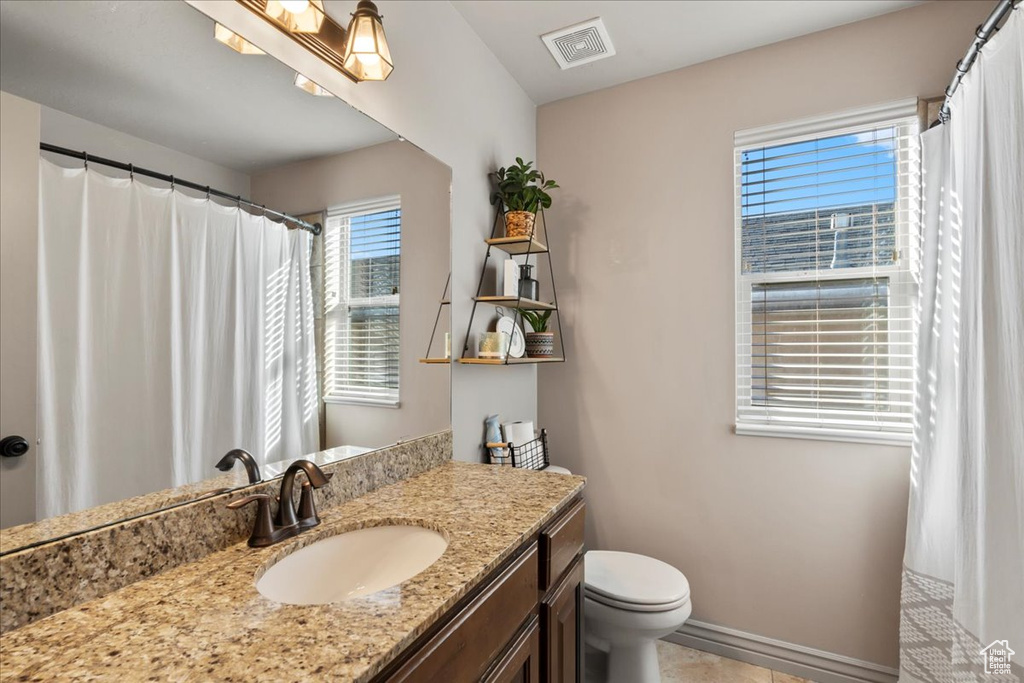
{"x": 19, "y": 209}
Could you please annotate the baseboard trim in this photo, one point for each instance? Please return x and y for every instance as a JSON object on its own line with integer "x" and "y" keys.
{"x": 796, "y": 660}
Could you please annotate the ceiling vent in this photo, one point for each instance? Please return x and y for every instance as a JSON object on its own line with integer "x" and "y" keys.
{"x": 579, "y": 44}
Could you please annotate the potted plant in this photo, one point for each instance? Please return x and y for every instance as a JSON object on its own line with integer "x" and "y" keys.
{"x": 540, "y": 343}
{"x": 522, "y": 189}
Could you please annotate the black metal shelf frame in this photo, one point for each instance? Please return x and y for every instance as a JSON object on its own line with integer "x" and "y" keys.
{"x": 444, "y": 301}
{"x": 496, "y": 228}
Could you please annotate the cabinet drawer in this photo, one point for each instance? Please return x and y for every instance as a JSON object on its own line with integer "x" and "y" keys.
{"x": 560, "y": 543}
{"x": 463, "y": 649}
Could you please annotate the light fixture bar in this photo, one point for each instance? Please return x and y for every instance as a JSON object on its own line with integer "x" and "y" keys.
{"x": 360, "y": 51}
{"x": 328, "y": 43}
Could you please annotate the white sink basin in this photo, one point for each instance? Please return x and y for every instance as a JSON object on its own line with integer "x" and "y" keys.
{"x": 352, "y": 564}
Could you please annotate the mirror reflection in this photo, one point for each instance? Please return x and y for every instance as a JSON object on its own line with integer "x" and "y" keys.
{"x": 235, "y": 268}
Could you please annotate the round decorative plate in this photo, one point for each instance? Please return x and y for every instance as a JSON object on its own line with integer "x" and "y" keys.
{"x": 518, "y": 345}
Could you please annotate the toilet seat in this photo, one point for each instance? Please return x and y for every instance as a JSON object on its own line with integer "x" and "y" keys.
{"x": 632, "y": 582}
{"x": 633, "y": 606}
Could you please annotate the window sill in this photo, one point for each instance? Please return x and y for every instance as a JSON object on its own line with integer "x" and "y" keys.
{"x": 824, "y": 434}
{"x": 368, "y": 402}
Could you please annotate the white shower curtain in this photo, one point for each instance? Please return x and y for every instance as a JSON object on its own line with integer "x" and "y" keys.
{"x": 963, "y": 579}
{"x": 171, "y": 330}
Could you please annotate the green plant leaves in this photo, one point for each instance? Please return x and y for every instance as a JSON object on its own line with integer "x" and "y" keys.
{"x": 538, "y": 319}
{"x": 521, "y": 187}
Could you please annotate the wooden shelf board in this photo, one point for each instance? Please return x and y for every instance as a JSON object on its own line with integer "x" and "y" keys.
{"x": 511, "y": 361}
{"x": 445, "y": 302}
{"x": 518, "y": 245}
{"x": 528, "y": 304}
{"x": 436, "y": 361}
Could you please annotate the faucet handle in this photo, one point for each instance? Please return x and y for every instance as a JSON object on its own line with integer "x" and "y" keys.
{"x": 307, "y": 514}
{"x": 260, "y": 498}
{"x": 263, "y": 530}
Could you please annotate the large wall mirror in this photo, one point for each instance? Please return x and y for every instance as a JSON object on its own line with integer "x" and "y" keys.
{"x": 178, "y": 323}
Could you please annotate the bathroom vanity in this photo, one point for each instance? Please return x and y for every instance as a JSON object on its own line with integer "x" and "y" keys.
{"x": 522, "y": 624}
{"x": 501, "y": 603}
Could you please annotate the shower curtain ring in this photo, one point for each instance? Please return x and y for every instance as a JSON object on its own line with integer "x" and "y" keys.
{"x": 131, "y": 171}
{"x": 207, "y": 192}
{"x": 172, "y": 182}
{"x": 85, "y": 157}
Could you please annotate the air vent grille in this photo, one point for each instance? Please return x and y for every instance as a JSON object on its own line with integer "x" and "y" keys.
{"x": 579, "y": 44}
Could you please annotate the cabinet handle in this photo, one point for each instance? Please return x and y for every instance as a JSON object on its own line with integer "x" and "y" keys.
{"x": 13, "y": 446}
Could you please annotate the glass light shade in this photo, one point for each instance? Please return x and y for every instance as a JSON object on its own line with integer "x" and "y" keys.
{"x": 311, "y": 87}
{"x": 308, "y": 20}
{"x": 235, "y": 41}
{"x": 367, "y": 56}
{"x": 295, "y": 6}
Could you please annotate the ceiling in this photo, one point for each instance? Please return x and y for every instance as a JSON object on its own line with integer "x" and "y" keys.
{"x": 153, "y": 70}
{"x": 650, "y": 36}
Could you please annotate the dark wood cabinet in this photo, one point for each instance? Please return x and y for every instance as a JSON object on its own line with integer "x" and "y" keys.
{"x": 561, "y": 614}
{"x": 480, "y": 631}
{"x": 521, "y": 663}
{"x": 522, "y": 625}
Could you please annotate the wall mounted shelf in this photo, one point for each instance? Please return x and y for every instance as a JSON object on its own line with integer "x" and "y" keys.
{"x": 536, "y": 244}
{"x": 435, "y": 361}
{"x": 514, "y": 246}
{"x": 509, "y": 361}
{"x": 522, "y": 304}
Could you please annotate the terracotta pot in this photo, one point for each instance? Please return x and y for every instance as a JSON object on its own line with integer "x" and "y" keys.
{"x": 540, "y": 344}
{"x": 519, "y": 223}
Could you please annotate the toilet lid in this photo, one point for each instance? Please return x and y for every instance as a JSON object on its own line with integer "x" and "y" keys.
{"x": 627, "y": 579}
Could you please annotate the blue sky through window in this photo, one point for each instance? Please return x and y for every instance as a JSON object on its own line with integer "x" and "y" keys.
{"x": 375, "y": 234}
{"x": 854, "y": 169}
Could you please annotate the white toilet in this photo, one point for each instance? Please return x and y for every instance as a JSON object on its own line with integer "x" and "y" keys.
{"x": 630, "y": 602}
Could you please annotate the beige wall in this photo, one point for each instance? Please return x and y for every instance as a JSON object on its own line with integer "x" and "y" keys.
{"x": 424, "y": 183}
{"x": 19, "y": 189}
{"x": 793, "y": 539}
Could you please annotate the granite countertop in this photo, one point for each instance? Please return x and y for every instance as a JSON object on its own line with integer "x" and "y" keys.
{"x": 206, "y": 621}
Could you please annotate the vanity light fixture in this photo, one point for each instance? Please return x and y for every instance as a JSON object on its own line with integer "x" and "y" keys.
{"x": 311, "y": 87}
{"x": 298, "y": 16}
{"x": 366, "y": 52}
{"x": 359, "y": 51}
{"x": 236, "y": 42}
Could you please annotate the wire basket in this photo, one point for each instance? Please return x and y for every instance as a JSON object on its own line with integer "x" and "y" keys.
{"x": 532, "y": 455}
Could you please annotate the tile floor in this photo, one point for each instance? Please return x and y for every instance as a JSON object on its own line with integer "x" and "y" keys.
{"x": 683, "y": 665}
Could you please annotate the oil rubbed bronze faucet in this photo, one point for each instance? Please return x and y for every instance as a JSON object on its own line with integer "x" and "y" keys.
{"x": 251, "y": 468}
{"x": 286, "y": 510}
{"x": 268, "y": 529}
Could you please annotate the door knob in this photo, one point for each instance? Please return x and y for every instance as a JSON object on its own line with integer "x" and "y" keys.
{"x": 13, "y": 446}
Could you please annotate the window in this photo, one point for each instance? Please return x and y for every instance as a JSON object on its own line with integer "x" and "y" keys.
{"x": 826, "y": 241}
{"x": 362, "y": 258}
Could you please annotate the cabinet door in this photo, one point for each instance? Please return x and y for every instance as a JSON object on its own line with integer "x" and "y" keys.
{"x": 521, "y": 663}
{"x": 462, "y": 650}
{"x": 561, "y": 621}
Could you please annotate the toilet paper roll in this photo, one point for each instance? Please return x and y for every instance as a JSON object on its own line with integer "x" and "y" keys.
{"x": 518, "y": 433}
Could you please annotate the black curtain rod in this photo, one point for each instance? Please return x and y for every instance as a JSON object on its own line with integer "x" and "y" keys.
{"x": 981, "y": 36}
{"x": 314, "y": 228}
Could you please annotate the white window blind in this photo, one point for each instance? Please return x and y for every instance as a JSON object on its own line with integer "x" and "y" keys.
{"x": 362, "y": 258}
{"x": 826, "y": 252}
